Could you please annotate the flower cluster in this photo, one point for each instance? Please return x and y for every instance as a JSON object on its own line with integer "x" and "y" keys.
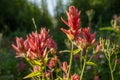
{"x": 36, "y": 45}
{"x": 81, "y": 36}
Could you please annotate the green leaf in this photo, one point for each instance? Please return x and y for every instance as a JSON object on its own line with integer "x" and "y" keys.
{"x": 75, "y": 51}
{"x": 64, "y": 51}
{"x": 91, "y": 63}
{"x": 33, "y": 62}
{"x": 108, "y": 28}
{"x": 33, "y": 74}
{"x": 46, "y": 60}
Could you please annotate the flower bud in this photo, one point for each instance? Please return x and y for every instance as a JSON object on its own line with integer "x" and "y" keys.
{"x": 75, "y": 77}
{"x": 65, "y": 67}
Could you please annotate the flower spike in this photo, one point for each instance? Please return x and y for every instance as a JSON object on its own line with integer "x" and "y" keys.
{"x": 73, "y": 23}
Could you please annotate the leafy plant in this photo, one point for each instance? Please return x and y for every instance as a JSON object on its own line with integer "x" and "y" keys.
{"x": 40, "y": 51}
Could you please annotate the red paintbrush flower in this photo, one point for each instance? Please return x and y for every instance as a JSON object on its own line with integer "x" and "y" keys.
{"x": 51, "y": 63}
{"x": 86, "y": 39}
{"x": 36, "y": 45}
{"x": 19, "y": 47}
{"x": 86, "y": 35}
{"x": 73, "y": 22}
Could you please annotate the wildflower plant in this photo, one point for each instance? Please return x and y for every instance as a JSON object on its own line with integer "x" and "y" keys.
{"x": 40, "y": 50}
{"x": 79, "y": 37}
{"x": 110, "y": 51}
{"x": 35, "y": 49}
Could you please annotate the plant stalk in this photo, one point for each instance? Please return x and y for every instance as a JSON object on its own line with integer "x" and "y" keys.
{"x": 111, "y": 72}
{"x": 83, "y": 69}
{"x": 70, "y": 63}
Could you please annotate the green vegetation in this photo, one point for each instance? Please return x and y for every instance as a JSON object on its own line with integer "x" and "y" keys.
{"x": 16, "y": 20}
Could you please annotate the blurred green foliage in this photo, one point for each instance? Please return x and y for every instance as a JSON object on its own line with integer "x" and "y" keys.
{"x": 16, "y": 15}
{"x": 104, "y": 10}
{"x": 10, "y": 66}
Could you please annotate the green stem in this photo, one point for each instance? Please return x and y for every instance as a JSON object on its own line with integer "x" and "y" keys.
{"x": 110, "y": 66}
{"x": 81, "y": 61}
{"x": 91, "y": 57}
{"x": 115, "y": 64}
{"x": 111, "y": 72}
{"x": 70, "y": 64}
{"x": 83, "y": 69}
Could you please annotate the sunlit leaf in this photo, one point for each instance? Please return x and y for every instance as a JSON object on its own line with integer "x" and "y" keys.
{"x": 75, "y": 51}
{"x": 91, "y": 63}
{"x": 64, "y": 51}
{"x": 108, "y": 28}
{"x": 33, "y": 74}
{"x": 46, "y": 60}
{"x": 33, "y": 62}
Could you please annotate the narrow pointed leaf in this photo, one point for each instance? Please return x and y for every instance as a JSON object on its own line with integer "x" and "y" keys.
{"x": 91, "y": 63}
{"x": 33, "y": 62}
{"x": 33, "y": 74}
{"x": 75, "y": 51}
{"x": 108, "y": 28}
